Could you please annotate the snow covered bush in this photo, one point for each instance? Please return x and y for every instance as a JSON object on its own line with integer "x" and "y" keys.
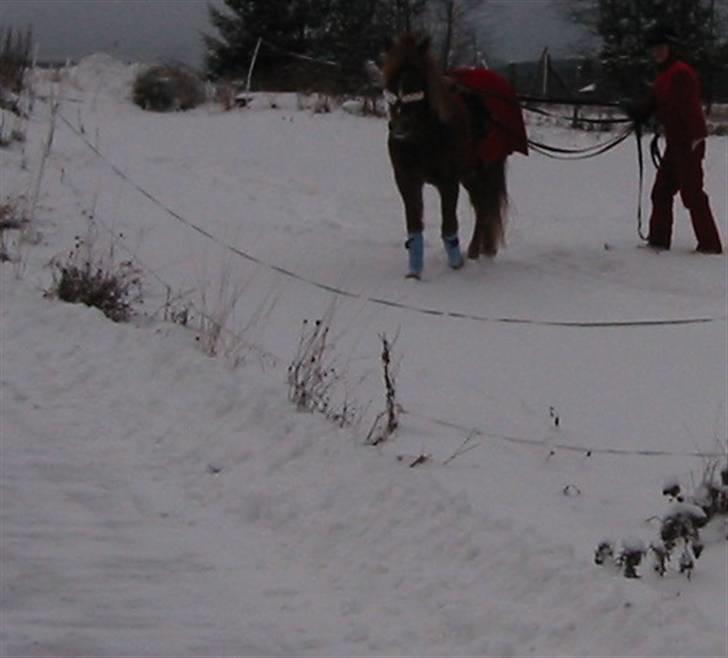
{"x": 85, "y": 278}
{"x": 679, "y": 527}
{"x": 11, "y": 216}
{"x": 633, "y": 550}
{"x": 11, "y": 219}
{"x": 681, "y": 523}
{"x": 712, "y": 493}
{"x": 12, "y": 127}
{"x": 168, "y": 88}
{"x": 688, "y": 514}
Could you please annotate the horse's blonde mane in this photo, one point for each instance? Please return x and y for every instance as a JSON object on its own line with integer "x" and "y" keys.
{"x": 414, "y": 50}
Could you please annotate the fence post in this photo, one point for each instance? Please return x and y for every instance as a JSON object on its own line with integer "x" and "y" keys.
{"x": 249, "y": 82}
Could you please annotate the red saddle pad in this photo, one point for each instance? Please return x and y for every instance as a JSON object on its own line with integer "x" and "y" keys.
{"x": 507, "y": 131}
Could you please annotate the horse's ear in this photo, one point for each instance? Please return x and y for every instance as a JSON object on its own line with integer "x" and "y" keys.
{"x": 423, "y": 43}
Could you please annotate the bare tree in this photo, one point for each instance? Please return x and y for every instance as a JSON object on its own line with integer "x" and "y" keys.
{"x": 456, "y": 26}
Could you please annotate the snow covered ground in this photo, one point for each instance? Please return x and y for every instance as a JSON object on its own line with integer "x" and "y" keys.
{"x": 159, "y": 502}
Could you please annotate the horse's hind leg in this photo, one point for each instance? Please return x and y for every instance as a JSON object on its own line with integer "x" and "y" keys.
{"x": 474, "y": 187}
{"x": 449, "y": 192}
{"x": 477, "y": 239}
{"x": 489, "y": 198}
{"x": 496, "y": 201}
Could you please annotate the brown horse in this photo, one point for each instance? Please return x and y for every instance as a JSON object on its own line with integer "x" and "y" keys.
{"x": 434, "y": 130}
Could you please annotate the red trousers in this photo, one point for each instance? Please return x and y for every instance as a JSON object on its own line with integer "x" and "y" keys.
{"x": 681, "y": 171}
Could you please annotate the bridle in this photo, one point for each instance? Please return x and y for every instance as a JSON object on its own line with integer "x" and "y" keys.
{"x": 402, "y": 108}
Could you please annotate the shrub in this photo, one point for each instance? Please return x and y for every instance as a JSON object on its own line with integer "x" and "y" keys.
{"x": 11, "y": 219}
{"x": 85, "y": 279}
{"x": 679, "y": 528}
{"x": 314, "y": 382}
{"x": 11, "y": 216}
{"x": 15, "y": 50}
{"x": 168, "y": 88}
{"x": 387, "y": 422}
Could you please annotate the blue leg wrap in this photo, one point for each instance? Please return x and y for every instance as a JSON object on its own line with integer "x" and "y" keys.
{"x": 452, "y": 247}
{"x": 416, "y": 247}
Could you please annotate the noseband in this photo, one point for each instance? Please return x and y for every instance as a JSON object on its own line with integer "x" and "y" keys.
{"x": 403, "y": 99}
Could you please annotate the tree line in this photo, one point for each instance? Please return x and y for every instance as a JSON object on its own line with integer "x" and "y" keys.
{"x": 621, "y": 26}
{"x": 340, "y": 35}
{"x": 343, "y": 32}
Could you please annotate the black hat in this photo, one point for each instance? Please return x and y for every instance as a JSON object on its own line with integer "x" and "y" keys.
{"x": 661, "y": 35}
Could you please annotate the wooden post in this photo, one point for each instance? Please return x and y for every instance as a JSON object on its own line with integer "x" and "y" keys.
{"x": 545, "y": 73}
{"x": 252, "y": 64}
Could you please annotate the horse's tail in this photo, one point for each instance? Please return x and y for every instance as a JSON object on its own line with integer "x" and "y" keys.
{"x": 489, "y": 195}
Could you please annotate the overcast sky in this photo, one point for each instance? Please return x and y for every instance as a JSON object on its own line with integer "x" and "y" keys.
{"x": 170, "y": 29}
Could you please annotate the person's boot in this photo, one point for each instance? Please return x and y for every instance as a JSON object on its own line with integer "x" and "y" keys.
{"x": 712, "y": 249}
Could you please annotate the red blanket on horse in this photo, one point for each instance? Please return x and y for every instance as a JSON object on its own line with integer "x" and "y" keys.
{"x": 506, "y": 130}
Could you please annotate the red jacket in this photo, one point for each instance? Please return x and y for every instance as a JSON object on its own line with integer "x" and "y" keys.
{"x": 678, "y": 105}
{"x": 507, "y": 132}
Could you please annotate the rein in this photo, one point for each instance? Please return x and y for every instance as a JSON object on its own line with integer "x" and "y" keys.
{"x": 530, "y": 104}
{"x": 561, "y": 153}
{"x": 558, "y": 153}
{"x": 641, "y": 166}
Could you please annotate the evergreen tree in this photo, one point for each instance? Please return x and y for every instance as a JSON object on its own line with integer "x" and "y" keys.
{"x": 360, "y": 29}
{"x": 624, "y": 24}
{"x": 347, "y": 32}
{"x": 285, "y": 25}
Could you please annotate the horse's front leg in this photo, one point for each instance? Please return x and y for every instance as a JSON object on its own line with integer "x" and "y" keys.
{"x": 411, "y": 190}
{"x": 449, "y": 192}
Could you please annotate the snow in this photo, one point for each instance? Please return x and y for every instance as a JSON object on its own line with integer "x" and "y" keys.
{"x": 159, "y": 502}
{"x": 634, "y": 545}
{"x": 688, "y": 510}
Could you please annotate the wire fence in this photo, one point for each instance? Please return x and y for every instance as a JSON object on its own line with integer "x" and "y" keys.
{"x": 554, "y": 446}
{"x": 380, "y": 301}
{"x": 541, "y": 443}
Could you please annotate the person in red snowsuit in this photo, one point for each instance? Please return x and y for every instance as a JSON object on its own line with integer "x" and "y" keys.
{"x": 676, "y": 102}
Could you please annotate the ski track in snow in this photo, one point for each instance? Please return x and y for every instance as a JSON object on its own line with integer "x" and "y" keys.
{"x": 156, "y": 502}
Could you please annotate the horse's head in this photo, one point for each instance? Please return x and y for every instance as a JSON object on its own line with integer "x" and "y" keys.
{"x": 413, "y": 88}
